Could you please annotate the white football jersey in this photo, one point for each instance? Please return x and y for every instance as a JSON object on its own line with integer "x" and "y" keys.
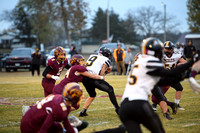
{"x": 178, "y": 51}
{"x": 139, "y": 83}
{"x": 171, "y": 62}
{"x": 95, "y": 63}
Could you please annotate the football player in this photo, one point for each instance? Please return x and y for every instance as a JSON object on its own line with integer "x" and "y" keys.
{"x": 47, "y": 114}
{"x": 178, "y": 48}
{"x": 53, "y": 70}
{"x": 146, "y": 73}
{"x": 170, "y": 60}
{"x": 75, "y": 73}
{"x": 98, "y": 64}
{"x": 158, "y": 96}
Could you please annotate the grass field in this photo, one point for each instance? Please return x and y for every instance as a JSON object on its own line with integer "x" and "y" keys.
{"x": 20, "y": 88}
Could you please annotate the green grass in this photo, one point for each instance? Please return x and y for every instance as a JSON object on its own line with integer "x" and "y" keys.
{"x": 17, "y": 88}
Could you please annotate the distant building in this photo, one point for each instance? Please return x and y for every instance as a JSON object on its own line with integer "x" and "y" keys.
{"x": 195, "y": 39}
{"x": 6, "y": 40}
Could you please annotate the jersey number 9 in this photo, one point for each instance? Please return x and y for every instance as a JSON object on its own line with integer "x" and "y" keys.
{"x": 91, "y": 60}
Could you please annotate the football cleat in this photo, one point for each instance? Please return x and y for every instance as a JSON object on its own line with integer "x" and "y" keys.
{"x": 174, "y": 108}
{"x": 167, "y": 116}
{"x": 179, "y": 107}
{"x": 154, "y": 105}
{"x": 83, "y": 114}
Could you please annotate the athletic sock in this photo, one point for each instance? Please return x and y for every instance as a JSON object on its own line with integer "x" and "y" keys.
{"x": 177, "y": 101}
{"x": 84, "y": 110}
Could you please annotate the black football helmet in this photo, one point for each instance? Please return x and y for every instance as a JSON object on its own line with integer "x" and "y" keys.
{"x": 152, "y": 46}
{"x": 169, "y": 48}
{"x": 105, "y": 52}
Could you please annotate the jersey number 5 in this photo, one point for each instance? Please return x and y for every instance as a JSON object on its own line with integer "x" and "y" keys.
{"x": 133, "y": 79}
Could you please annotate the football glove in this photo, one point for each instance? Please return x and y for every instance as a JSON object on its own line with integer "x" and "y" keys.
{"x": 195, "y": 57}
{"x": 55, "y": 77}
{"x": 194, "y": 85}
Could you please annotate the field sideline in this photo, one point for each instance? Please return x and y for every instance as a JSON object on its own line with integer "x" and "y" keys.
{"x": 20, "y": 88}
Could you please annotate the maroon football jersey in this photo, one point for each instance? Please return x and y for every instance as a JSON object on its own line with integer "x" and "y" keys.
{"x": 71, "y": 76}
{"x": 56, "y": 67}
{"x": 42, "y": 115}
{"x": 48, "y": 83}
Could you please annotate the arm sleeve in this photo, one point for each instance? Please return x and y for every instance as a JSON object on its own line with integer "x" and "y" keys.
{"x": 174, "y": 72}
{"x": 164, "y": 81}
{"x": 68, "y": 126}
{"x": 46, "y": 71}
{"x": 47, "y": 123}
{"x": 194, "y": 49}
{"x": 67, "y": 66}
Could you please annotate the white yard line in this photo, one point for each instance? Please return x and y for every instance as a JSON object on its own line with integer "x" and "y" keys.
{"x": 190, "y": 124}
{"x": 10, "y": 124}
{"x": 91, "y": 110}
{"x": 100, "y": 123}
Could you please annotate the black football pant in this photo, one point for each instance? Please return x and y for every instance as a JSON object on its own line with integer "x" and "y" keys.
{"x": 177, "y": 86}
{"x": 120, "y": 129}
{"x": 158, "y": 93}
{"x": 91, "y": 84}
{"x": 136, "y": 112}
{"x": 82, "y": 126}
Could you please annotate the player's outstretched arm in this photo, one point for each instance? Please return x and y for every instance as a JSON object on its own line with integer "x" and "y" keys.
{"x": 93, "y": 76}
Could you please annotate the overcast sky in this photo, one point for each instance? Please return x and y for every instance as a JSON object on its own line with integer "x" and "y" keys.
{"x": 177, "y": 8}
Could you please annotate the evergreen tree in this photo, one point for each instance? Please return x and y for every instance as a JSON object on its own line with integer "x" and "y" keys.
{"x": 194, "y": 15}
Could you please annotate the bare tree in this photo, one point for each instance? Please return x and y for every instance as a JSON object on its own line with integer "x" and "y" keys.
{"x": 148, "y": 21}
{"x": 73, "y": 13}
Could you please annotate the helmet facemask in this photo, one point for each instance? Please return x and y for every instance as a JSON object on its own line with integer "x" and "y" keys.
{"x": 60, "y": 54}
{"x": 168, "y": 52}
{"x": 61, "y": 57}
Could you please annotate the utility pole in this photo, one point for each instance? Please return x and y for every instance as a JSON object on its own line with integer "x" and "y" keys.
{"x": 164, "y": 37}
{"x": 108, "y": 22}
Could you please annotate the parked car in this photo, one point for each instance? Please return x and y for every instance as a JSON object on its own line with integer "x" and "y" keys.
{"x": 111, "y": 46}
{"x": 51, "y": 55}
{"x": 19, "y": 58}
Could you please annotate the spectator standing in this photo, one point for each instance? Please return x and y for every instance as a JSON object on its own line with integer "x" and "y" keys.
{"x": 36, "y": 56}
{"x": 119, "y": 55}
{"x": 189, "y": 50}
{"x": 73, "y": 51}
{"x": 128, "y": 60}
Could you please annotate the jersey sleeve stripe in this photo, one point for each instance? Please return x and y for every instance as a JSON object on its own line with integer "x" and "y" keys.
{"x": 107, "y": 63}
{"x": 154, "y": 64}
